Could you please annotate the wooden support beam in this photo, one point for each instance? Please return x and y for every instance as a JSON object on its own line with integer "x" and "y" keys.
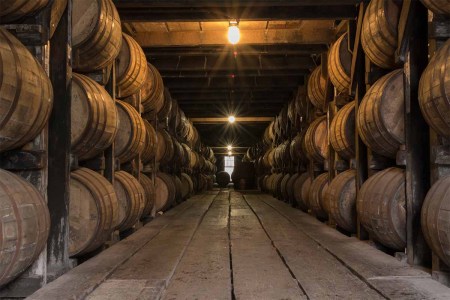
{"x": 238, "y": 120}
{"x": 59, "y": 151}
{"x": 307, "y": 35}
{"x": 417, "y": 159}
{"x": 141, "y": 13}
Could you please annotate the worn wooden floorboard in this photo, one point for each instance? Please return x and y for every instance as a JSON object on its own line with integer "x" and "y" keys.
{"x": 82, "y": 280}
{"x": 258, "y": 271}
{"x": 218, "y": 247}
{"x": 392, "y": 278}
{"x": 320, "y": 274}
{"x": 204, "y": 271}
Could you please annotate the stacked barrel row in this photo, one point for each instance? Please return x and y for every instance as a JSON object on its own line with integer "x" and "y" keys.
{"x": 295, "y": 164}
{"x": 132, "y": 124}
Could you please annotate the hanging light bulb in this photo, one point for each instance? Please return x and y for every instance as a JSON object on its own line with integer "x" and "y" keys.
{"x": 229, "y": 147}
{"x": 230, "y": 153}
{"x": 231, "y": 119}
{"x": 234, "y": 34}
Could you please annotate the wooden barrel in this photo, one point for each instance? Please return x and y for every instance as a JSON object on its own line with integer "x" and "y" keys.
{"x": 341, "y": 200}
{"x": 269, "y": 134}
{"x": 246, "y": 171}
{"x": 339, "y": 64}
{"x": 296, "y": 150}
{"x": 131, "y": 68}
{"x": 290, "y": 186}
{"x": 434, "y": 91}
{"x": 178, "y": 188}
{"x": 150, "y": 145}
{"x": 93, "y": 211}
{"x": 275, "y": 189}
{"x": 164, "y": 150}
{"x": 282, "y": 155}
{"x": 223, "y": 179}
{"x": 11, "y": 10}
{"x": 94, "y": 121}
{"x": 187, "y": 186}
{"x": 435, "y": 218}
{"x": 342, "y": 131}
{"x": 149, "y": 190}
{"x": 26, "y": 94}
{"x": 316, "y": 140}
{"x": 379, "y": 32}
{"x": 380, "y": 118}
{"x": 300, "y": 198}
{"x": 304, "y": 192}
{"x": 165, "y": 191}
{"x": 316, "y": 88}
{"x": 317, "y": 194}
{"x": 151, "y": 92}
{"x": 131, "y": 197}
{"x": 164, "y": 112}
{"x": 440, "y": 7}
{"x": 25, "y": 224}
{"x": 284, "y": 193}
{"x": 381, "y": 207}
{"x": 130, "y": 138}
{"x": 96, "y": 34}
{"x": 186, "y": 155}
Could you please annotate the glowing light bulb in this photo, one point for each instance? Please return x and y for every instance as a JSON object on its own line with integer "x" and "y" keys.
{"x": 234, "y": 35}
{"x": 231, "y": 119}
{"x": 229, "y": 147}
{"x": 230, "y": 153}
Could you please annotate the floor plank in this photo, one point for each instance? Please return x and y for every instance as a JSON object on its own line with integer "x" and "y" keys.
{"x": 258, "y": 271}
{"x": 319, "y": 273}
{"x": 204, "y": 271}
{"x": 392, "y": 278}
{"x": 82, "y": 280}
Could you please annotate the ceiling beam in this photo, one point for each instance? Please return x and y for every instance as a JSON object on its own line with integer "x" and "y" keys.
{"x": 232, "y": 74}
{"x": 229, "y": 3}
{"x": 288, "y": 82}
{"x": 280, "y": 49}
{"x": 303, "y": 35}
{"x": 142, "y": 12}
{"x": 232, "y": 65}
{"x": 238, "y": 120}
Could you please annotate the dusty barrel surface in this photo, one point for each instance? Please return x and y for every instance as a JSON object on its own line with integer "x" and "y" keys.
{"x": 26, "y": 94}
{"x": 296, "y": 150}
{"x": 131, "y": 67}
{"x": 165, "y": 191}
{"x": 11, "y": 10}
{"x": 130, "y": 138}
{"x": 339, "y": 64}
{"x": 151, "y": 92}
{"x": 97, "y": 34}
{"x": 316, "y": 140}
{"x": 223, "y": 179}
{"x": 342, "y": 131}
{"x": 381, "y": 207}
{"x": 298, "y": 186}
{"x": 187, "y": 186}
{"x": 165, "y": 149}
{"x": 149, "y": 189}
{"x": 380, "y": 118}
{"x": 269, "y": 134}
{"x": 316, "y": 88}
{"x": 440, "y": 7}
{"x": 434, "y": 91}
{"x": 283, "y": 187}
{"x": 131, "y": 197}
{"x": 341, "y": 199}
{"x": 93, "y": 211}
{"x": 436, "y": 217}
{"x": 290, "y": 184}
{"x": 379, "y": 32}
{"x": 94, "y": 121}
{"x": 316, "y": 197}
{"x": 25, "y": 224}
{"x": 150, "y": 145}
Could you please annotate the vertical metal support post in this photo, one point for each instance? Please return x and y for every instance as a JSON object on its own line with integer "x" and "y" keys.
{"x": 59, "y": 149}
{"x": 110, "y": 159}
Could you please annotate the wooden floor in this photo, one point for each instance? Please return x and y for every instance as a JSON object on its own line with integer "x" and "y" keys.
{"x": 226, "y": 245}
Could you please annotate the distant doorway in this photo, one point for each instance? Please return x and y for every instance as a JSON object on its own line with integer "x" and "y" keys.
{"x": 229, "y": 164}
